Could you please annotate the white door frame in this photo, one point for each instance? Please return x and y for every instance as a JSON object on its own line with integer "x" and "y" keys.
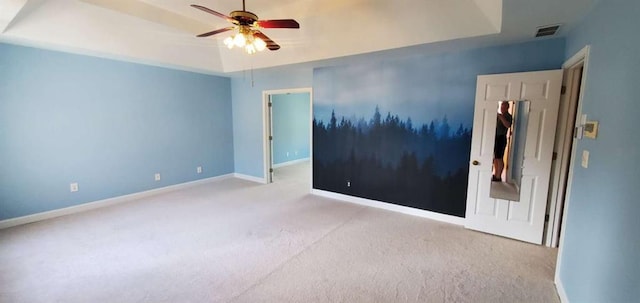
{"x": 557, "y": 201}
{"x": 581, "y": 57}
{"x": 267, "y": 127}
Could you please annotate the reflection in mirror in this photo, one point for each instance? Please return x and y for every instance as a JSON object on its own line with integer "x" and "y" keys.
{"x": 508, "y": 162}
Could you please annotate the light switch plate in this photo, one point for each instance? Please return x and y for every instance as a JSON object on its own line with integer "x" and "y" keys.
{"x": 585, "y": 158}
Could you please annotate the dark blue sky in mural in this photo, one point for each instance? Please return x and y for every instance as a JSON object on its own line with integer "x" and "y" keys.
{"x": 423, "y": 90}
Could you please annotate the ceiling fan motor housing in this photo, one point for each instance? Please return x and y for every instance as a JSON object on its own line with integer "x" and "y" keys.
{"x": 244, "y": 17}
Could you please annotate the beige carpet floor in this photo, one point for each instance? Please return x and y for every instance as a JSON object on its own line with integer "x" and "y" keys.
{"x": 237, "y": 241}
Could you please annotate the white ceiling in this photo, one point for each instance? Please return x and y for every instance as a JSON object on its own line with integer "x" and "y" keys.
{"x": 163, "y": 32}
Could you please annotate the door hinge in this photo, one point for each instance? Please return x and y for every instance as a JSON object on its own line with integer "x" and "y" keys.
{"x": 270, "y": 170}
{"x": 270, "y": 137}
{"x": 555, "y": 156}
{"x": 270, "y": 104}
{"x": 546, "y": 218}
{"x": 563, "y": 90}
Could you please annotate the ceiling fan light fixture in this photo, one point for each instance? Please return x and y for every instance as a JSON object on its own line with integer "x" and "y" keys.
{"x": 259, "y": 44}
{"x": 228, "y": 42}
{"x": 246, "y": 38}
{"x": 240, "y": 40}
{"x": 251, "y": 49}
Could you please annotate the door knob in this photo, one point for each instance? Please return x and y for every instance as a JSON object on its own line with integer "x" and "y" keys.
{"x": 475, "y": 162}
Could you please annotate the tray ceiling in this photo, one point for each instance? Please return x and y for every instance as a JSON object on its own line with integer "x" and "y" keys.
{"x": 162, "y": 32}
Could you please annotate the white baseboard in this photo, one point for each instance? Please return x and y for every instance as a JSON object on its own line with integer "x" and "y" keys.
{"x": 105, "y": 202}
{"x": 389, "y": 206}
{"x": 561, "y": 292}
{"x": 121, "y": 199}
{"x": 290, "y": 162}
{"x": 250, "y": 178}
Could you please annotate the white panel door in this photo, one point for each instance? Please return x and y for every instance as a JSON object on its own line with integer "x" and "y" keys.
{"x": 522, "y": 220}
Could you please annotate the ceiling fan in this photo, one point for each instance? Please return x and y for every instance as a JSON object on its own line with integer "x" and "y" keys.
{"x": 248, "y": 25}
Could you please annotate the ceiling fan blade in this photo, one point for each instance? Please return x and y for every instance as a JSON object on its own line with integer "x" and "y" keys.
{"x": 279, "y": 23}
{"x": 270, "y": 44}
{"x": 222, "y": 30}
{"x": 210, "y": 11}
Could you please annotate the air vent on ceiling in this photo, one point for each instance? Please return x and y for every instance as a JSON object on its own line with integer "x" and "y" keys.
{"x": 547, "y": 30}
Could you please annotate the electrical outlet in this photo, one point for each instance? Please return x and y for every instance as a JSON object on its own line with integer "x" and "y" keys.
{"x": 348, "y": 183}
{"x": 73, "y": 187}
{"x": 287, "y": 154}
{"x": 157, "y": 177}
{"x": 199, "y": 169}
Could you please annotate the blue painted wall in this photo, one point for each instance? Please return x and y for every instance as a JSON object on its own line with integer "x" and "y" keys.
{"x": 248, "y": 120}
{"x": 600, "y": 259}
{"x": 105, "y": 124}
{"x": 291, "y": 115}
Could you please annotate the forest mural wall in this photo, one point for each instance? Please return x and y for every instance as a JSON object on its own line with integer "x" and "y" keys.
{"x": 399, "y": 130}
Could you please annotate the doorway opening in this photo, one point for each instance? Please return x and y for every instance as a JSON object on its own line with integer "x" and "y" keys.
{"x": 567, "y": 134}
{"x": 287, "y": 116}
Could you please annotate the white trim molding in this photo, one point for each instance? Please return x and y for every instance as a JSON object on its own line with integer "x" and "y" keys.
{"x": 570, "y": 102}
{"x": 580, "y": 56}
{"x": 389, "y": 206}
{"x": 266, "y": 125}
{"x": 250, "y": 178}
{"x": 104, "y": 203}
{"x": 561, "y": 292}
{"x": 293, "y": 162}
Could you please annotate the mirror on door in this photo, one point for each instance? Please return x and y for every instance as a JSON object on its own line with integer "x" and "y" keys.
{"x": 509, "y": 147}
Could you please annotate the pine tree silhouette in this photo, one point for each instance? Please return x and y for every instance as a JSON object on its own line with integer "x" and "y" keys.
{"x": 389, "y": 160}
